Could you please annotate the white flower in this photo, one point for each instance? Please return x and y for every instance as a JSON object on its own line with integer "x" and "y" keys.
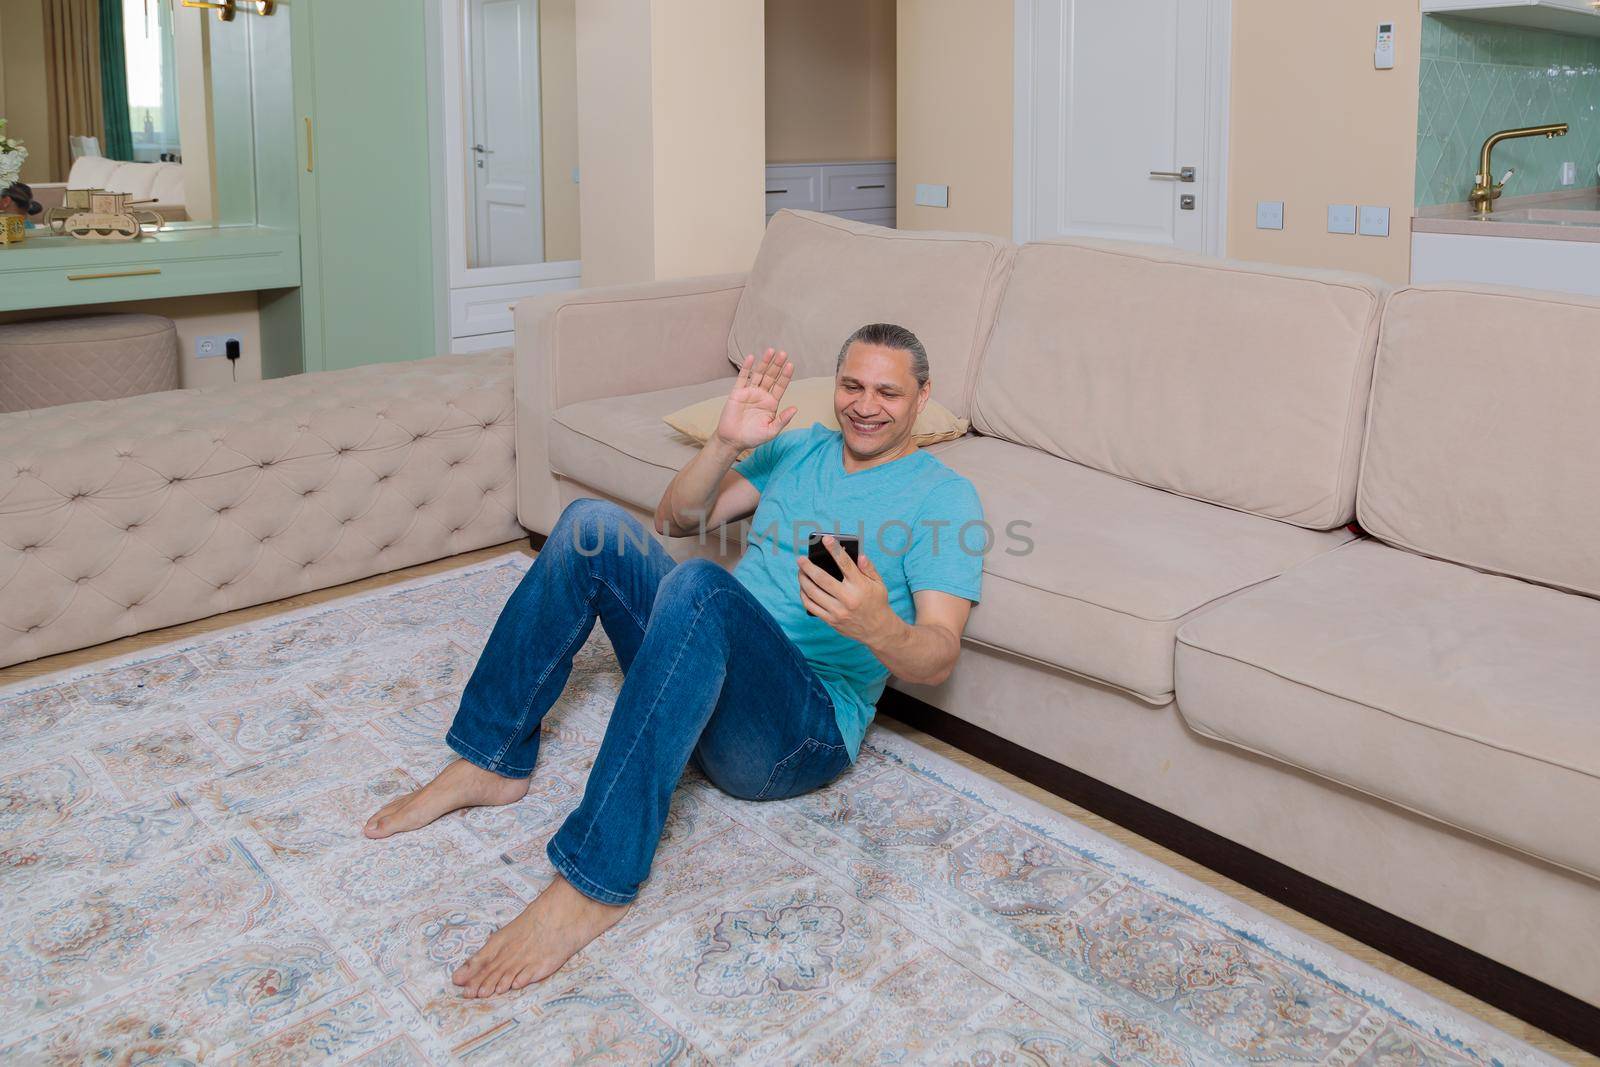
{"x": 12, "y": 153}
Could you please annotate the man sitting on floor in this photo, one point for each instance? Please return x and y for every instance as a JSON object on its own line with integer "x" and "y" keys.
{"x": 765, "y": 678}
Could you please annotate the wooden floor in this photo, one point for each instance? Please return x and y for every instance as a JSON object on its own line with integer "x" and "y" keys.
{"x": 1538, "y": 1038}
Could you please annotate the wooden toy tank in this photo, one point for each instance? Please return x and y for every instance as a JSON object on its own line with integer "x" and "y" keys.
{"x": 98, "y": 215}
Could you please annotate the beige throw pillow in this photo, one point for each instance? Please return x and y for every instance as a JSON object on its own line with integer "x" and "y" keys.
{"x": 814, "y": 398}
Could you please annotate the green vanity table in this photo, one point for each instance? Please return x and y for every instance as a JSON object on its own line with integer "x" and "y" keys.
{"x": 45, "y": 272}
{"x": 325, "y": 148}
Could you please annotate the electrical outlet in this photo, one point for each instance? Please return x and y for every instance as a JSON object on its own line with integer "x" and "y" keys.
{"x": 1341, "y": 218}
{"x": 213, "y": 346}
{"x": 933, "y": 195}
{"x": 1269, "y": 215}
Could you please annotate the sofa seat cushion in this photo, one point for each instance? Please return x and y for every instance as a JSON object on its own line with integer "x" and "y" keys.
{"x": 1467, "y": 697}
{"x": 1114, "y": 568}
{"x": 619, "y": 445}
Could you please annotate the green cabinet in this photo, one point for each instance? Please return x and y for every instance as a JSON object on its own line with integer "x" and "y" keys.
{"x": 362, "y": 161}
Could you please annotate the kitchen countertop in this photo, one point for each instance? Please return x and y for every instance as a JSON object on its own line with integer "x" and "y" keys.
{"x": 1572, "y": 215}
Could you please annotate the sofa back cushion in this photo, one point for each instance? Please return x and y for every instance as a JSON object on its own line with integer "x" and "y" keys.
{"x": 817, "y": 278}
{"x": 1235, "y": 383}
{"x": 1483, "y": 446}
{"x": 90, "y": 172}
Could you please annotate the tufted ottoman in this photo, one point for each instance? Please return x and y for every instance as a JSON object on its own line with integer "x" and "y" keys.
{"x": 91, "y": 357}
{"x": 128, "y": 515}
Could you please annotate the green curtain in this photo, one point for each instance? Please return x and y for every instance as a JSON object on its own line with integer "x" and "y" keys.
{"x": 114, "y": 82}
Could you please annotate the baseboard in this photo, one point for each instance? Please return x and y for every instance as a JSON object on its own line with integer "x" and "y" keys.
{"x": 1544, "y": 1006}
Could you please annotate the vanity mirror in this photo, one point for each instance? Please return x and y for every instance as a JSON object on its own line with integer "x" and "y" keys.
{"x": 143, "y": 97}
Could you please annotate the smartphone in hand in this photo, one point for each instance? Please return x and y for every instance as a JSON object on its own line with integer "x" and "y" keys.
{"x": 818, "y": 553}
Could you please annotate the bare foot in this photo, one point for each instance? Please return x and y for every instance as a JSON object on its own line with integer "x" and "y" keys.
{"x": 534, "y": 945}
{"x": 460, "y": 785}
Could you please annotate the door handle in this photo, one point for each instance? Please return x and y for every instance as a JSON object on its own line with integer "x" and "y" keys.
{"x": 1182, "y": 174}
{"x": 309, "y": 149}
{"x": 482, "y": 150}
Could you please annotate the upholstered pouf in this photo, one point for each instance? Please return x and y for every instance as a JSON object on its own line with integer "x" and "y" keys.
{"x": 91, "y": 357}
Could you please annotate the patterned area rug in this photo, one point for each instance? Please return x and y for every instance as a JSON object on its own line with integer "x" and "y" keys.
{"x": 185, "y": 881}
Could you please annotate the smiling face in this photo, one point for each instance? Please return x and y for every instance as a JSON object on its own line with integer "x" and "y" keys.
{"x": 877, "y": 400}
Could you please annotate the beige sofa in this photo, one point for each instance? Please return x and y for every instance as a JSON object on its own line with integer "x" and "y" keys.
{"x": 1409, "y": 717}
{"x": 122, "y": 516}
{"x": 156, "y": 186}
{"x": 161, "y": 184}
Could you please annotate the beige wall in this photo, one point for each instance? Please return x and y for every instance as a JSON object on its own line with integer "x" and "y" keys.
{"x": 558, "y": 125}
{"x": 830, "y": 80}
{"x": 194, "y": 317}
{"x": 671, "y": 137}
{"x": 710, "y": 135}
{"x": 953, "y": 87}
{"x": 617, "y": 206}
{"x": 27, "y": 113}
{"x": 1314, "y": 124}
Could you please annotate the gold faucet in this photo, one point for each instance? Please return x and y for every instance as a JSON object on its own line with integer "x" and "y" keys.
{"x": 1486, "y": 190}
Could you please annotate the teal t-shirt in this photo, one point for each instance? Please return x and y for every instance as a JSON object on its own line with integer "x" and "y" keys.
{"x": 919, "y": 522}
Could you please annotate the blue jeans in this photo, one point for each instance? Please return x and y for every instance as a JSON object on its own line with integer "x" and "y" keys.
{"x": 708, "y": 676}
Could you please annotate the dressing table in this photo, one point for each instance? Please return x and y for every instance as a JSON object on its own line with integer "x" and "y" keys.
{"x": 314, "y": 165}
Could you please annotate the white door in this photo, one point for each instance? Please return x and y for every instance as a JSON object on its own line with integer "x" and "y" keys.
{"x": 1121, "y": 110}
{"x": 504, "y": 152}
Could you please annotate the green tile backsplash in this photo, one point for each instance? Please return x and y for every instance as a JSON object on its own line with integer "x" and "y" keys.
{"x": 1477, "y": 78}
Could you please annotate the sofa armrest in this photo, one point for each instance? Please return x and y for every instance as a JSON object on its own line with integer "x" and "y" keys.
{"x": 614, "y": 341}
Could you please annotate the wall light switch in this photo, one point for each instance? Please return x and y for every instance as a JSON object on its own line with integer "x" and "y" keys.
{"x": 1569, "y": 173}
{"x": 1341, "y": 218}
{"x": 933, "y": 195}
{"x": 1374, "y": 221}
{"x": 1269, "y": 215}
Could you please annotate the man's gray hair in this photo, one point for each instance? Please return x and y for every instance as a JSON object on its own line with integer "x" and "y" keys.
{"x": 888, "y": 335}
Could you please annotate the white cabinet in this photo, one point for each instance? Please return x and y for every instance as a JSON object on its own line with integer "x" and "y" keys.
{"x": 1564, "y": 16}
{"x": 1565, "y": 266}
{"x": 860, "y": 191}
